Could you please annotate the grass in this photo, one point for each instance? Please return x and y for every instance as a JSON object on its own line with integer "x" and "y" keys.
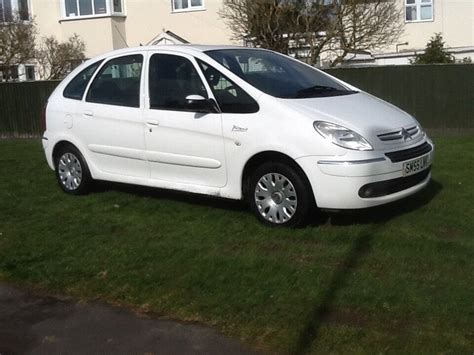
{"x": 397, "y": 278}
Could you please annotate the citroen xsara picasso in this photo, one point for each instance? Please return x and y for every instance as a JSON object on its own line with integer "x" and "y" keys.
{"x": 233, "y": 122}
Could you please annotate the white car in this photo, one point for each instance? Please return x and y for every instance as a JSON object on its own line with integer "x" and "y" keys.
{"x": 233, "y": 122}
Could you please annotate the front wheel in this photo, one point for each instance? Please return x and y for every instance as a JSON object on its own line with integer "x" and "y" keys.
{"x": 279, "y": 195}
{"x": 72, "y": 172}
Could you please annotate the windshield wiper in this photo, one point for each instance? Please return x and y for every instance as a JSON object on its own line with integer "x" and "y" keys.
{"x": 321, "y": 90}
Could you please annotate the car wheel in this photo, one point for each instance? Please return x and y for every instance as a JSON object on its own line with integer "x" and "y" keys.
{"x": 72, "y": 172}
{"x": 279, "y": 195}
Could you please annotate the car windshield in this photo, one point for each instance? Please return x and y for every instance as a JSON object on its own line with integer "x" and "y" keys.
{"x": 277, "y": 75}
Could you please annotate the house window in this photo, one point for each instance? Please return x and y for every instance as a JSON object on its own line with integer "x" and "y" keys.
{"x": 30, "y": 73}
{"x": 118, "y": 6}
{"x": 9, "y": 73}
{"x": 81, "y": 8}
{"x": 187, "y": 5}
{"x": 418, "y": 10}
{"x": 8, "y": 8}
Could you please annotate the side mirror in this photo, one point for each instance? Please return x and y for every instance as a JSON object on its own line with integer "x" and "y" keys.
{"x": 197, "y": 103}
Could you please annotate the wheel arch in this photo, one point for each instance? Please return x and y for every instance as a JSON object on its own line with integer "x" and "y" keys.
{"x": 64, "y": 143}
{"x": 266, "y": 156}
{"x": 60, "y": 144}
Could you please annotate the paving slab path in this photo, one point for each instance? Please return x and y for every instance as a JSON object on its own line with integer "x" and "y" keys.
{"x": 34, "y": 324}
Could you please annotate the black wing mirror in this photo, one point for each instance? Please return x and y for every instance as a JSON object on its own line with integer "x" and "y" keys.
{"x": 198, "y": 103}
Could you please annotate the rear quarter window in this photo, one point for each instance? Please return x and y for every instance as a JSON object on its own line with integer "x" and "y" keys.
{"x": 77, "y": 86}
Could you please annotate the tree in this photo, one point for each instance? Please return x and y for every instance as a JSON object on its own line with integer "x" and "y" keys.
{"x": 434, "y": 52}
{"x": 281, "y": 25}
{"x": 17, "y": 42}
{"x": 266, "y": 23}
{"x": 315, "y": 26}
{"x": 364, "y": 26}
{"x": 58, "y": 59}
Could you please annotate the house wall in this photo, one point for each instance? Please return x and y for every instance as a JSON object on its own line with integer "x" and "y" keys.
{"x": 143, "y": 20}
{"x": 453, "y": 18}
{"x": 147, "y": 18}
{"x": 96, "y": 32}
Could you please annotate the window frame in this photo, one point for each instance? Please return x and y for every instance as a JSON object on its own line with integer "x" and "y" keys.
{"x": 109, "y": 5}
{"x": 418, "y": 5}
{"x": 105, "y": 61}
{"x": 193, "y": 61}
{"x": 189, "y": 8}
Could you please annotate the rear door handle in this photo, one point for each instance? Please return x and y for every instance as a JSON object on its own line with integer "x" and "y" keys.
{"x": 88, "y": 113}
{"x": 152, "y": 123}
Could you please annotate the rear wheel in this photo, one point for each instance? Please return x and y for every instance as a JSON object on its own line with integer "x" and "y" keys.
{"x": 72, "y": 172}
{"x": 279, "y": 195}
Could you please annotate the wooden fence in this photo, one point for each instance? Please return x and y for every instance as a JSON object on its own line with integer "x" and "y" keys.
{"x": 439, "y": 96}
{"x": 21, "y": 105}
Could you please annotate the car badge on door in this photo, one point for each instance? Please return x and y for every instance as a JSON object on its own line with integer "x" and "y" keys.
{"x": 239, "y": 129}
{"x": 405, "y": 134}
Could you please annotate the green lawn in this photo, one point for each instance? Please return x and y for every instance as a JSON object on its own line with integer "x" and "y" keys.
{"x": 398, "y": 278}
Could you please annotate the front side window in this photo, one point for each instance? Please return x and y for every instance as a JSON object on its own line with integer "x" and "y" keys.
{"x": 278, "y": 75}
{"x": 230, "y": 97}
{"x": 187, "y": 5}
{"x": 118, "y": 82}
{"x": 75, "y": 8}
{"x": 171, "y": 79}
{"x": 76, "y": 87}
{"x": 418, "y": 10}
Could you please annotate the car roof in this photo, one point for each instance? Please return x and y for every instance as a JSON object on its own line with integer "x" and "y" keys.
{"x": 182, "y": 48}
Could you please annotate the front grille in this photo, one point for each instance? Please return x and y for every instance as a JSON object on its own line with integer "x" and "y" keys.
{"x": 388, "y": 187}
{"x": 402, "y": 133}
{"x": 411, "y": 153}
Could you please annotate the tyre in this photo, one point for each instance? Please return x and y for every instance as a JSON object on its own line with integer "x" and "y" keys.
{"x": 280, "y": 195}
{"x": 72, "y": 172}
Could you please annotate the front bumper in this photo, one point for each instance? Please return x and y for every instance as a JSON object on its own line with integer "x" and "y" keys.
{"x": 339, "y": 184}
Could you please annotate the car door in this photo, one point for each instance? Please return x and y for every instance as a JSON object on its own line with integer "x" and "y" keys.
{"x": 110, "y": 121}
{"x": 182, "y": 146}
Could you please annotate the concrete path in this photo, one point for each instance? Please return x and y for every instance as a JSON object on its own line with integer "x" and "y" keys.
{"x": 43, "y": 325}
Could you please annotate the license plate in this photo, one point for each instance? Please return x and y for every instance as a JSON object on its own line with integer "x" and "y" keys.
{"x": 416, "y": 165}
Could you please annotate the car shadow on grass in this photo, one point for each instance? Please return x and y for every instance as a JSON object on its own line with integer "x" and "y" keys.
{"x": 173, "y": 195}
{"x": 343, "y": 217}
{"x": 360, "y": 248}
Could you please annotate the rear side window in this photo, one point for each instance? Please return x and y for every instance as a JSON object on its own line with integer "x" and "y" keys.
{"x": 76, "y": 87}
{"x": 171, "y": 79}
{"x": 118, "y": 82}
{"x": 230, "y": 97}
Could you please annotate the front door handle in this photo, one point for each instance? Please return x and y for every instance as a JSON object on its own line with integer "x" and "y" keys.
{"x": 152, "y": 123}
{"x": 88, "y": 113}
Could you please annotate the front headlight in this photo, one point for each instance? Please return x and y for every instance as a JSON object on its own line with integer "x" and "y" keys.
{"x": 341, "y": 136}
